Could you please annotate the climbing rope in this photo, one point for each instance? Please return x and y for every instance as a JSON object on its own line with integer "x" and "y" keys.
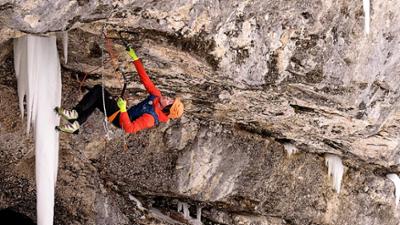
{"x": 118, "y": 74}
{"x": 114, "y": 62}
{"x": 105, "y": 121}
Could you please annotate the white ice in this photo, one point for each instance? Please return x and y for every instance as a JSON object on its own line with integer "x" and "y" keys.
{"x": 65, "y": 46}
{"x": 182, "y": 206}
{"x": 335, "y": 169}
{"x": 138, "y": 203}
{"x": 366, "y": 7}
{"x": 290, "y": 149}
{"x": 38, "y": 74}
{"x": 198, "y": 216}
{"x": 396, "y": 181}
{"x": 186, "y": 213}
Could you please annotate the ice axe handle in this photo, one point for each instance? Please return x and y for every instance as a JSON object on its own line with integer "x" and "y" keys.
{"x": 125, "y": 82}
{"x": 126, "y": 44}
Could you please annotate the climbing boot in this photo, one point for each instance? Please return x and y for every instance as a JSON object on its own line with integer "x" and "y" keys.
{"x": 67, "y": 114}
{"x": 69, "y": 128}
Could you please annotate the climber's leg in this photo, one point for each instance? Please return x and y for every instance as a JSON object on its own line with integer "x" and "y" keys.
{"x": 81, "y": 112}
{"x": 94, "y": 99}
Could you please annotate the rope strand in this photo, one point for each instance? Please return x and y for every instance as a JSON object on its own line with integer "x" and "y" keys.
{"x": 105, "y": 122}
{"x": 118, "y": 75}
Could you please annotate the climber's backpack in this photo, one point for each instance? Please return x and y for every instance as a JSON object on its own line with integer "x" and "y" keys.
{"x": 146, "y": 106}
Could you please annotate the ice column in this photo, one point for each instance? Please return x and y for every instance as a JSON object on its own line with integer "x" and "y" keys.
{"x": 65, "y": 46}
{"x": 396, "y": 181}
{"x": 186, "y": 213}
{"x": 335, "y": 169}
{"x": 366, "y": 7}
{"x": 184, "y": 208}
{"x": 38, "y": 74}
{"x": 198, "y": 216}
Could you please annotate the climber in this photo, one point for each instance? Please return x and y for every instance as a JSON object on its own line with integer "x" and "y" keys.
{"x": 148, "y": 113}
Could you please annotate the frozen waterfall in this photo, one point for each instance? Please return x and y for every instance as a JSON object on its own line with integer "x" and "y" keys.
{"x": 335, "y": 169}
{"x": 38, "y": 73}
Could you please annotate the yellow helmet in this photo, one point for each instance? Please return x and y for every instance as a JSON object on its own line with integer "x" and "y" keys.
{"x": 176, "y": 109}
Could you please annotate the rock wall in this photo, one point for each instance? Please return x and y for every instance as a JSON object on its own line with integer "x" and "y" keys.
{"x": 255, "y": 76}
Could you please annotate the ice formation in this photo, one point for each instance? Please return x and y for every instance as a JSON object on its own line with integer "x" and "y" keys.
{"x": 138, "y": 203}
{"x": 38, "y": 73}
{"x": 179, "y": 206}
{"x": 366, "y": 7}
{"x": 335, "y": 169}
{"x": 184, "y": 207}
{"x": 65, "y": 46}
{"x": 198, "y": 216}
{"x": 396, "y": 180}
{"x": 290, "y": 149}
{"x": 186, "y": 212}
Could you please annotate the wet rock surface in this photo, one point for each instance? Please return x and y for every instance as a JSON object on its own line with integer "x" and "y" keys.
{"x": 255, "y": 76}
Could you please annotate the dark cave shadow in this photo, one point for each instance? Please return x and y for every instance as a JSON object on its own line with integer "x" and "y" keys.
{"x": 10, "y": 217}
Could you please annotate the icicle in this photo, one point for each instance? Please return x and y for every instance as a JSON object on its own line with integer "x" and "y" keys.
{"x": 180, "y": 206}
{"x": 290, "y": 149}
{"x": 396, "y": 181}
{"x": 186, "y": 213}
{"x": 198, "y": 216}
{"x": 335, "y": 169}
{"x": 184, "y": 208}
{"x": 21, "y": 69}
{"x": 65, "y": 46}
{"x": 138, "y": 203}
{"x": 38, "y": 73}
{"x": 366, "y": 7}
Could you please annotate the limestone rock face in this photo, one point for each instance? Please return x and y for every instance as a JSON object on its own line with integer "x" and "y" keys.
{"x": 258, "y": 78}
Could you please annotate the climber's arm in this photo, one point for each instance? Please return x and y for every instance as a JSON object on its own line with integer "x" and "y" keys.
{"x": 144, "y": 78}
{"x": 143, "y": 122}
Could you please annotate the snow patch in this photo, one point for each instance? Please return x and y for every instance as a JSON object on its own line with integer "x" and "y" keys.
{"x": 396, "y": 181}
{"x": 38, "y": 73}
{"x": 335, "y": 169}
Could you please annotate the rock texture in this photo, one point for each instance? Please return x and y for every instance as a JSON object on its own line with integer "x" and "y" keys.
{"x": 255, "y": 76}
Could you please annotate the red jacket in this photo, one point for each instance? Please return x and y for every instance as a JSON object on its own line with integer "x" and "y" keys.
{"x": 146, "y": 120}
